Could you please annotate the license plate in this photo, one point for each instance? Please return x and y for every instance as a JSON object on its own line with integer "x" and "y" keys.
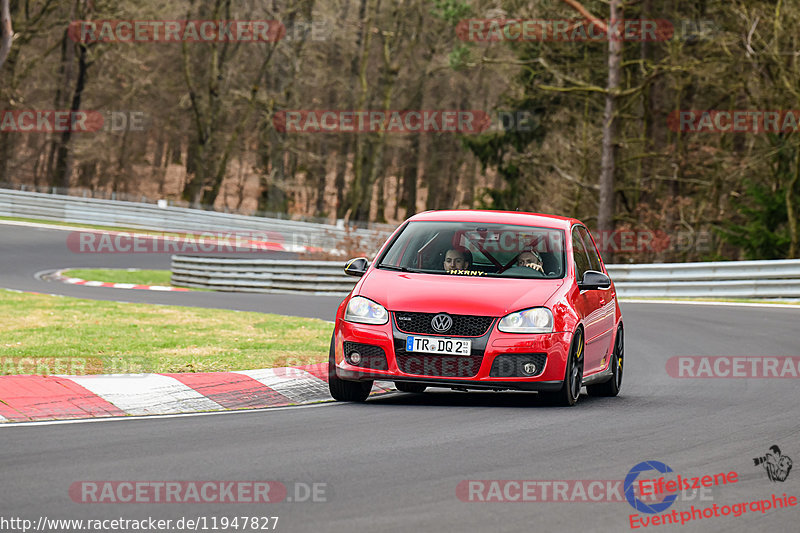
{"x": 439, "y": 345}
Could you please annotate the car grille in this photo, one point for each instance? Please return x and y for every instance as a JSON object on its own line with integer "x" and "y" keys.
{"x": 511, "y": 365}
{"x": 372, "y": 357}
{"x": 451, "y": 366}
{"x": 463, "y": 325}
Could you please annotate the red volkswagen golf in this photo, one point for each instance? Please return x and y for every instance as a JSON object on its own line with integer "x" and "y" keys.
{"x": 481, "y": 300}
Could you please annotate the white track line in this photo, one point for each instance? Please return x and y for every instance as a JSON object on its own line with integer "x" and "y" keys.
{"x": 44, "y": 226}
{"x": 329, "y": 403}
{"x": 147, "y": 394}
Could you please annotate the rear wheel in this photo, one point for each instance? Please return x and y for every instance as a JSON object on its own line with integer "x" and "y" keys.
{"x": 573, "y": 378}
{"x": 612, "y": 386}
{"x": 403, "y": 386}
{"x": 341, "y": 389}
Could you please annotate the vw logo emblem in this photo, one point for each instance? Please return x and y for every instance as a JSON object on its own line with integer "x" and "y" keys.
{"x": 442, "y": 323}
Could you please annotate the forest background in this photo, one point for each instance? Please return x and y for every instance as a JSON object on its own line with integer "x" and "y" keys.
{"x": 581, "y": 127}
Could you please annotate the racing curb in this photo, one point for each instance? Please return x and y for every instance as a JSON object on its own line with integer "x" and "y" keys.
{"x": 25, "y": 398}
{"x": 59, "y": 276}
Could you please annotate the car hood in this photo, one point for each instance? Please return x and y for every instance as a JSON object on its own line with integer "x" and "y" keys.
{"x": 461, "y": 295}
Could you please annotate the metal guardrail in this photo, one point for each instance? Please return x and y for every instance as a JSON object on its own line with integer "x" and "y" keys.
{"x": 729, "y": 279}
{"x": 294, "y": 235}
{"x": 83, "y": 192}
{"x": 735, "y": 279}
{"x": 262, "y": 275}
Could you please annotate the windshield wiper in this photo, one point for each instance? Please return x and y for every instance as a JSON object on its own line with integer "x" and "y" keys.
{"x": 394, "y": 267}
{"x": 404, "y": 269}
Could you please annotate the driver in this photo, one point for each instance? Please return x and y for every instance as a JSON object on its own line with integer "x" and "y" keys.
{"x": 457, "y": 259}
{"x": 531, "y": 259}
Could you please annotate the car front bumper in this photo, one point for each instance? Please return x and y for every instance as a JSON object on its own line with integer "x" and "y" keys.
{"x": 478, "y": 371}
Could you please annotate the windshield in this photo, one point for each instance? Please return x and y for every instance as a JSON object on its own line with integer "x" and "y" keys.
{"x": 477, "y": 249}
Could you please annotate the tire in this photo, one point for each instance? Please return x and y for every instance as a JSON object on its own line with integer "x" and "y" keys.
{"x": 404, "y": 386}
{"x": 343, "y": 390}
{"x": 612, "y": 386}
{"x": 570, "y": 390}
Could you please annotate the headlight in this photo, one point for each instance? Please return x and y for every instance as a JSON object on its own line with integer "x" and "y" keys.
{"x": 364, "y": 311}
{"x": 536, "y": 320}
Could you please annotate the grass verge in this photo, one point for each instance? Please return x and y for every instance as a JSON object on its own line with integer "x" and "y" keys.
{"x": 131, "y": 275}
{"x": 113, "y": 275}
{"x": 44, "y": 334}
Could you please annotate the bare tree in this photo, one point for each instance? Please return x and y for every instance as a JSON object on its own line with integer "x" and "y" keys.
{"x": 6, "y": 31}
{"x": 605, "y": 212}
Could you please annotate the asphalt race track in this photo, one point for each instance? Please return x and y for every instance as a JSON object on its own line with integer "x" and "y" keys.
{"x": 25, "y": 251}
{"x": 394, "y": 463}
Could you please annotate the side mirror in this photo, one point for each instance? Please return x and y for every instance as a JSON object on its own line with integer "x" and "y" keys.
{"x": 356, "y": 267}
{"x": 593, "y": 280}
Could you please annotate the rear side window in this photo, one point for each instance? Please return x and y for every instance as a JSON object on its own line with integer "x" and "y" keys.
{"x": 579, "y": 255}
{"x": 591, "y": 250}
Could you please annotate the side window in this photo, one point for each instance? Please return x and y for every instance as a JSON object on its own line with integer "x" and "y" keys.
{"x": 579, "y": 255}
{"x": 594, "y": 257}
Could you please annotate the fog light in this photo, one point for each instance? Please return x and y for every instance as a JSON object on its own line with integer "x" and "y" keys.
{"x": 529, "y": 369}
{"x": 355, "y": 358}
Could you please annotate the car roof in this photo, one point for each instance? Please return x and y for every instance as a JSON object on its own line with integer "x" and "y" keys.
{"x": 498, "y": 217}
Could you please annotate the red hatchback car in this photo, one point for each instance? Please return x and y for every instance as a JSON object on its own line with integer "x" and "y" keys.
{"x": 481, "y": 300}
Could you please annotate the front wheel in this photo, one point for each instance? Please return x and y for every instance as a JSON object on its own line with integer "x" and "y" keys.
{"x": 573, "y": 377}
{"x": 612, "y": 386}
{"x": 343, "y": 390}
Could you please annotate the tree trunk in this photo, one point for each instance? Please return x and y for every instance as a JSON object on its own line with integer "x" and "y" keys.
{"x": 62, "y": 94}
{"x": 410, "y": 176}
{"x": 63, "y": 167}
{"x": 6, "y": 31}
{"x": 791, "y": 211}
{"x": 340, "y": 180}
{"x": 357, "y": 198}
{"x": 605, "y": 213}
{"x": 321, "y": 179}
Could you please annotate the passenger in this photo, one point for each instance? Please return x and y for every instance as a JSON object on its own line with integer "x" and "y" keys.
{"x": 457, "y": 259}
{"x": 531, "y": 259}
